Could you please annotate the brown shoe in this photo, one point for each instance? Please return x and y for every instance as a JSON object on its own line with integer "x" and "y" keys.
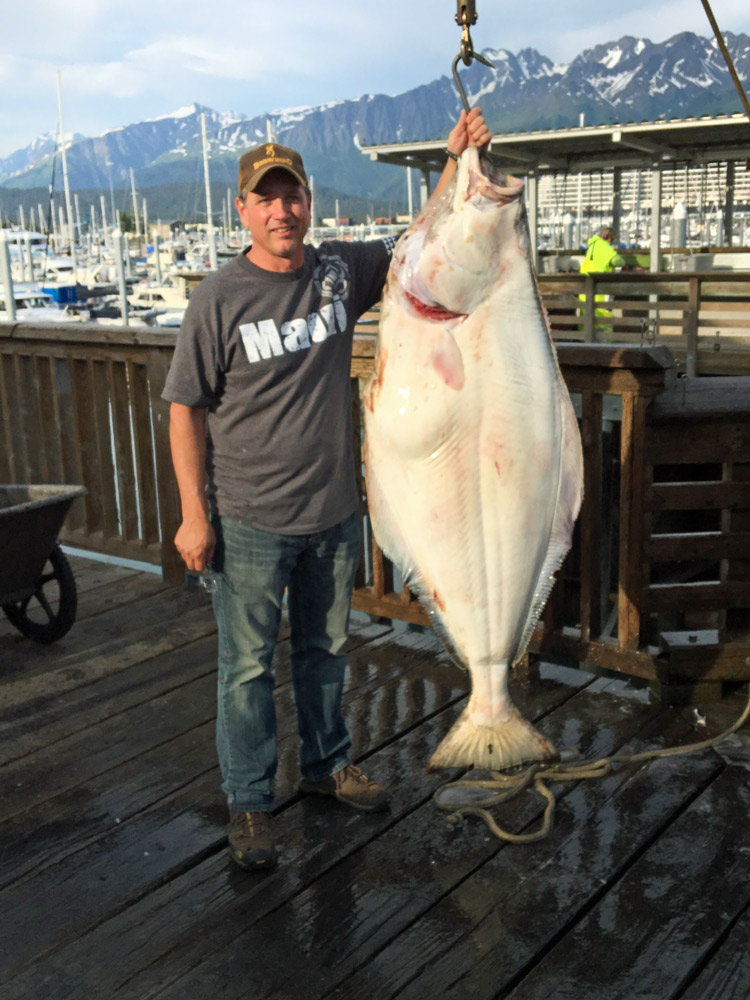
{"x": 250, "y": 840}
{"x": 350, "y": 786}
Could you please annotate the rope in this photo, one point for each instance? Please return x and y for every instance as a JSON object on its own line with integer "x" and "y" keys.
{"x": 502, "y": 787}
{"x": 727, "y": 57}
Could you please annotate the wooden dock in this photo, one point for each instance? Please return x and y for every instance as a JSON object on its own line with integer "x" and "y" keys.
{"x": 116, "y": 882}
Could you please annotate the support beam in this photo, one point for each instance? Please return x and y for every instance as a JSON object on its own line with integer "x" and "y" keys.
{"x": 430, "y": 160}
{"x": 6, "y": 280}
{"x": 532, "y": 203}
{"x": 729, "y": 205}
{"x": 656, "y": 179}
{"x": 505, "y": 151}
{"x": 424, "y": 187}
{"x": 617, "y": 200}
{"x": 646, "y": 145}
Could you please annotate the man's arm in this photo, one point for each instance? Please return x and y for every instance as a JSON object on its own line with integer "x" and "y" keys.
{"x": 195, "y": 539}
{"x": 469, "y": 130}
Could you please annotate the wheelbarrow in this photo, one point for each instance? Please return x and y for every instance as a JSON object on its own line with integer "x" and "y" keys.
{"x": 37, "y": 587}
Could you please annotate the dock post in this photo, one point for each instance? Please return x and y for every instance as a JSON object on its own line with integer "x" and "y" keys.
{"x": 157, "y": 261}
{"x": 656, "y": 217}
{"x": 10, "y": 302}
{"x": 117, "y": 248}
{"x": 617, "y": 201}
{"x": 532, "y": 211}
{"x": 424, "y": 187}
{"x": 729, "y": 205}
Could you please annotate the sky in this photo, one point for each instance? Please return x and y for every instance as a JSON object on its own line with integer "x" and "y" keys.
{"x": 123, "y": 62}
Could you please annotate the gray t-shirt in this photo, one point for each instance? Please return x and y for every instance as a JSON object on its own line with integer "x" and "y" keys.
{"x": 268, "y": 354}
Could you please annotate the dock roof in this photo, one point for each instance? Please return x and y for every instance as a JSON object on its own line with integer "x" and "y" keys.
{"x": 686, "y": 141}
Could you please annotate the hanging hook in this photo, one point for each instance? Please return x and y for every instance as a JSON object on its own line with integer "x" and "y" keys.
{"x": 457, "y": 78}
{"x": 466, "y": 15}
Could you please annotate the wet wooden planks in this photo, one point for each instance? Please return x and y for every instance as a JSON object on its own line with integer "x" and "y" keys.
{"x": 114, "y": 880}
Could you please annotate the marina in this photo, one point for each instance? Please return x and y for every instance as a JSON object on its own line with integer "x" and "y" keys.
{"x": 676, "y": 192}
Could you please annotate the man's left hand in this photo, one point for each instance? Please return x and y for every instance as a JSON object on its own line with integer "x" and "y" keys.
{"x": 470, "y": 130}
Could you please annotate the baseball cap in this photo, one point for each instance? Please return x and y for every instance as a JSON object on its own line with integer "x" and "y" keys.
{"x": 257, "y": 162}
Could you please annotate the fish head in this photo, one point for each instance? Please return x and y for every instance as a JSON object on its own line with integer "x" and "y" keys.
{"x": 453, "y": 254}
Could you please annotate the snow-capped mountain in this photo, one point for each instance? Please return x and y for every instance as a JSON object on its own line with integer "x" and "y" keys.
{"x": 631, "y": 79}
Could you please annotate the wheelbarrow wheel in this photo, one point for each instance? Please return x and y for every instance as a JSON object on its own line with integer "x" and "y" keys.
{"x": 51, "y": 610}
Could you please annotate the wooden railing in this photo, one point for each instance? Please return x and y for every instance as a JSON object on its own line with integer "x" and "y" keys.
{"x": 633, "y": 376}
{"x": 83, "y": 405}
{"x": 704, "y": 319}
{"x": 694, "y": 582}
{"x": 632, "y": 596}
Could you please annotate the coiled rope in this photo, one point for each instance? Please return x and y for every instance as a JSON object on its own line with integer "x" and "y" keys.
{"x": 504, "y": 786}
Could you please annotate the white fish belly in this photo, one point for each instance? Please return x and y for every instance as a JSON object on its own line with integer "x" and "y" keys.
{"x": 471, "y": 440}
{"x": 471, "y": 474}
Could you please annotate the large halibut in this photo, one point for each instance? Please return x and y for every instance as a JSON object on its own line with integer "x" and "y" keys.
{"x": 473, "y": 456}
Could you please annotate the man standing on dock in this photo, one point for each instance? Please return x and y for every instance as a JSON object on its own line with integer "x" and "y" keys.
{"x": 601, "y": 256}
{"x": 261, "y": 436}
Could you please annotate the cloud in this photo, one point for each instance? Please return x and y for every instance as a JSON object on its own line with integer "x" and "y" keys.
{"x": 126, "y": 61}
{"x": 193, "y": 54}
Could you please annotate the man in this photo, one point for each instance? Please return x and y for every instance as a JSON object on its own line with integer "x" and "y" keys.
{"x": 260, "y": 429}
{"x": 601, "y": 255}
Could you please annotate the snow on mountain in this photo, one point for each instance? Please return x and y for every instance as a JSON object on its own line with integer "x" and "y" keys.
{"x": 623, "y": 80}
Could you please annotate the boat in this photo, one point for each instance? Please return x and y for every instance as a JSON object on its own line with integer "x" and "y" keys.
{"x": 34, "y": 305}
{"x": 166, "y": 300}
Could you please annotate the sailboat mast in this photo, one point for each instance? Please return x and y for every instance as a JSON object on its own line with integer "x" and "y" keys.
{"x": 71, "y": 230}
{"x": 134, "y": 196}
{"x": 209, "y": 212}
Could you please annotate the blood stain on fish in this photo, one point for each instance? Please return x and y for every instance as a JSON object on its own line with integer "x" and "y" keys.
{"x": 449, "y": 366}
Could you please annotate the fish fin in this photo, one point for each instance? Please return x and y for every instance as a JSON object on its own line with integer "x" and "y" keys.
{"x": 426, "y": 598}
{"x": 569, "y": 497}
{"x": 505, "y": 744}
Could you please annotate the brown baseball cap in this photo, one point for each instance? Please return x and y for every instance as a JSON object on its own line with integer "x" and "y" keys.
{"x": 257, "y": 162}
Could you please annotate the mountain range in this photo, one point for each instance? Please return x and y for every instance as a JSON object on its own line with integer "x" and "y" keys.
{"x": 631, "y": 79}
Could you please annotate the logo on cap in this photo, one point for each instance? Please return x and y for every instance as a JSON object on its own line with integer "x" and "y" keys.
{"x": 257, "y": 162}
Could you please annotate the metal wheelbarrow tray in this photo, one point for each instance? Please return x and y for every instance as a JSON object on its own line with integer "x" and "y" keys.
{"x": 37, "y": 587}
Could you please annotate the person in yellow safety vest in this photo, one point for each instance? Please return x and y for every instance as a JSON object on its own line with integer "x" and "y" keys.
{"x": 601, "y": 255}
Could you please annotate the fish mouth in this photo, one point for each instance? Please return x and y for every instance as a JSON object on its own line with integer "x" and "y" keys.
{"x": 484, "y": 184}
{"x": 434, "y": 312}
{"x": 483, "y": 187}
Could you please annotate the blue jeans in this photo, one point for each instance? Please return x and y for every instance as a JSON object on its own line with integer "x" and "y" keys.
{"x": 252, "y": 569}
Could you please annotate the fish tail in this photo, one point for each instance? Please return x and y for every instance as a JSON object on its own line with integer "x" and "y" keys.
{"x": 513, "y": 741}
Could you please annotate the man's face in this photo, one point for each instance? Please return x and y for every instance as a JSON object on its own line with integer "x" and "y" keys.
{"x": 277, "y": 213}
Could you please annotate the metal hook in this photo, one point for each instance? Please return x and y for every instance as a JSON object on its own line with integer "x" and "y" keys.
{"x": 457, "y": 78}
{"x": 466, "y": 16}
